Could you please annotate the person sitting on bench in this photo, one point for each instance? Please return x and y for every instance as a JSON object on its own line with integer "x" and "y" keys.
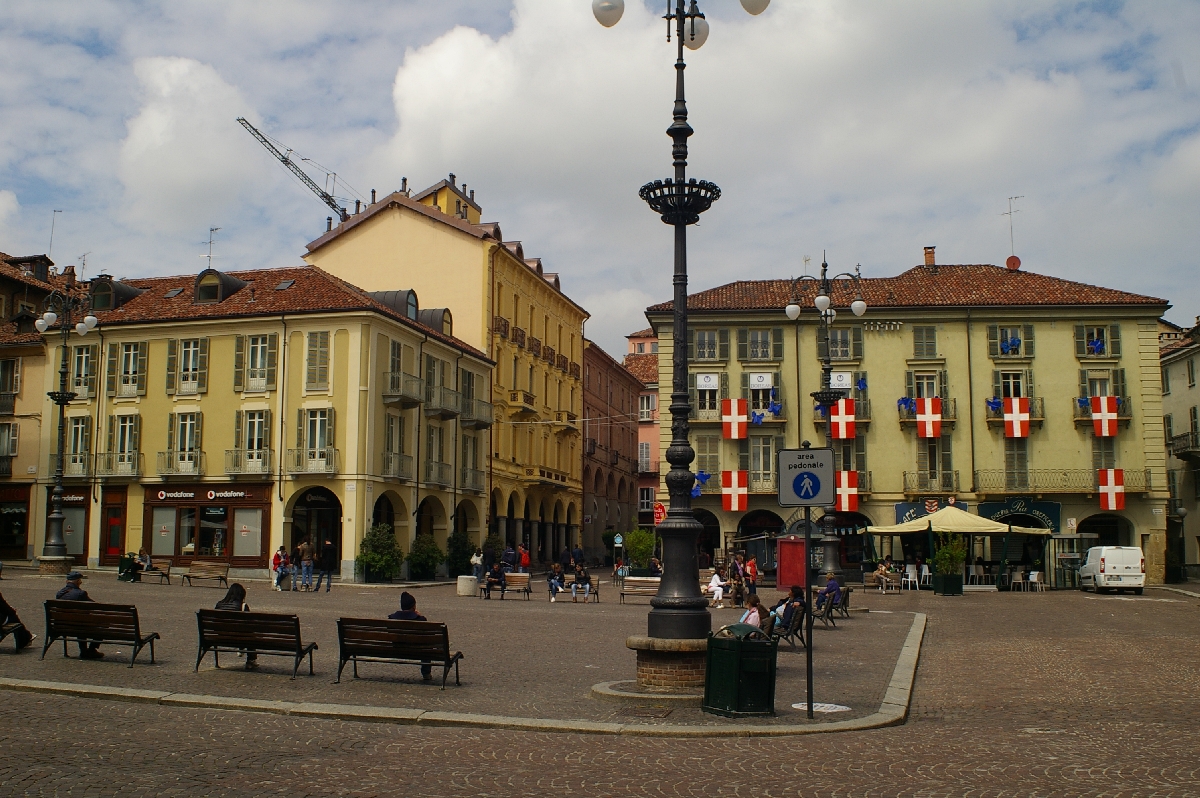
{"x": 582, "y": 579}
{"x": 717, "y": 587}
{"x": 831, "y": 591}
{"x": 790, "y": 604}
{"x": 408, "y": 612}
{"x": 556, "y": 581}
{"x": 8, "y": 616}
{"x": 72, "y": 591}
{"x": 495, "y": 578}
{"x": 235, "y": 601}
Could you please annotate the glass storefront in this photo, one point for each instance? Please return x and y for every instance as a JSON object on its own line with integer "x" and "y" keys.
{"x": 208, "y": 522}
{"x": 14, "y": 523}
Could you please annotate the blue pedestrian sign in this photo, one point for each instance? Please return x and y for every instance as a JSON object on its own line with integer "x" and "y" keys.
{"x": 805, "y": 477}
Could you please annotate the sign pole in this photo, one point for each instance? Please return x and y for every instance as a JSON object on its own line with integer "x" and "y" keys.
{"x": 808, "y": 618}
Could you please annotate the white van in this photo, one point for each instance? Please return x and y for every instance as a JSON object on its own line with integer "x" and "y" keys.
{"x": 1117, "y": 568}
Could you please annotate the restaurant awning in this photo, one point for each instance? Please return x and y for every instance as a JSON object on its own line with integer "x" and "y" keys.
{"x": 952, "y": 519}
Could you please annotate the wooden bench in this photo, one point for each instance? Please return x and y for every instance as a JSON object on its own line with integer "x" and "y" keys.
{"x": 257, "y": 632}
{"x": 10, "y": 629}
{"x": 100, "y": 623}
{"x": 207, "y": 570}
{"x": 594, "y": 594}
{"x": 399, "y": 642}
{"x": 158, "y": 567}
{"x": 794, "y": 630}
{"x": 842, "y": 606}
{"x": 639, "y": 586}
{"x": 513, "y": 583}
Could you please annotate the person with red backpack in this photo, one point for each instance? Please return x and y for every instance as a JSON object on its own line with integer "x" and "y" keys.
{"x": 523, "y": 560}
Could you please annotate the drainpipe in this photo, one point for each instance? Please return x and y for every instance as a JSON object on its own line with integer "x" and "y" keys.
{"x": 970, "y": 400}
{"x": 282, "y": 388}
{"x": 457, "y": 438}
{"x": 417, "y": 451}
{"x": 491, "y": 346}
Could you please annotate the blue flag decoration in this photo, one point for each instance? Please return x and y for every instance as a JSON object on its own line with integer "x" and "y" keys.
{"x": 907, "y": 403}
{"x": 1095, "y": 347}
{"x": 703, "y": 477}
{"x": 861, "y": 384}
{"x": 695, "y": 491}
{"x": 775, "y": 408}
{"x": 1083, "y": 402}
{"x": 1010, "y": 347}
{"x": 994, "y": 404}
{"x": 757, "y": 418}
{"x": 820, "y": 411}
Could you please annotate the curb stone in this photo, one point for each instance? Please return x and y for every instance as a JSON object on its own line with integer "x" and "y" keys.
{"x": 892, "y": 711}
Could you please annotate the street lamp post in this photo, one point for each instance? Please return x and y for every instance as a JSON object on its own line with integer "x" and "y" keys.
{"x": 63, "y": 306}
{"x": 827, "y": 395}
{"x": 679, "y": 610}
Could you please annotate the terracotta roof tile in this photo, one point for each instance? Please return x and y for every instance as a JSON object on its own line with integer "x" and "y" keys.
{"x": 644, "y": 367}
{"x": 976, "y": 285}
{"x": 314, "y": 291}
{"x": 646, "y": 333}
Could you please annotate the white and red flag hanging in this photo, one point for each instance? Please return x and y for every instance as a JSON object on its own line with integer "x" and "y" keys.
{"x": 1104, "y": 416}
{"x": 1112, "y": 488}
{"x": 929, "y": 417}
{"x": 735, "y": 421}
{"x": 841, "y": 419}
{"x": 735, "y": 490}
{"x": 1016, "y": 417}
{"x": 846, "y": 487}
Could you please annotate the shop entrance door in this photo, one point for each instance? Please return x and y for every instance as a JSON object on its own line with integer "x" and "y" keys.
{"x": 317, "y": 517}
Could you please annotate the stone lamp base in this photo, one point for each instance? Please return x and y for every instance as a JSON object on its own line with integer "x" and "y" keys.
{"x": 667, "y": 665}
{"x": 53, "y": 566}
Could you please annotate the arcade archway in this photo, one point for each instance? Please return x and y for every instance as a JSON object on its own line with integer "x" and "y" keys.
{"x": 317, "y": 517}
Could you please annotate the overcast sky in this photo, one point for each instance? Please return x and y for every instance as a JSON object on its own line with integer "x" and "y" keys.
{"x": 866, "y": 129}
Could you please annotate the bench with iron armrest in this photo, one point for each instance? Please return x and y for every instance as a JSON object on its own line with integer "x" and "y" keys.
{"x": 99, "y": 623}
{"x": 841, "y": 605}
{"x": 513, "y": 583}
{"x": 216, "y": 571}
{"x": 794, "y": 630}
{"x": 158, "y": 567}
{"x": 594, "y": 594}
{"x": 257, "y": 632}
{"x": 639, "y": 586}
{"x": 399, "y": 642}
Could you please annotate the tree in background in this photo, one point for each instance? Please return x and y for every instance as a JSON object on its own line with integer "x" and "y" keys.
{"x": 458, "y": 553}
{"x": 425, "y": 557}
{"x": 639, "y": 544}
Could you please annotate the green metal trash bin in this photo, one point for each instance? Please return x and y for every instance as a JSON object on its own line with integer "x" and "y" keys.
{"x": 740, "y": 675}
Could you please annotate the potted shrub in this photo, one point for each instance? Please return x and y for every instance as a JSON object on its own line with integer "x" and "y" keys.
{"x": 425, "y": 557}
{"x": 948, "y": 565}
{"x": 379, "y": 557}
{"x": 639, "y": 545}
{"x": 459, "y": 549}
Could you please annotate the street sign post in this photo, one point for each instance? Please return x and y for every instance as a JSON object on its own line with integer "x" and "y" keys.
{"x": 805, "y": 477}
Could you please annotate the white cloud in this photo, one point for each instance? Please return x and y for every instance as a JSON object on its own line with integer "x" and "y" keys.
{"x": 615, "y": 314}
{"x": 184, "y": 162}
{"x": 8, "y": 207}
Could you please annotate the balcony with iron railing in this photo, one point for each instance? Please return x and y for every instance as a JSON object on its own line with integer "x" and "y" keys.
{"x": 518, "y": 336}
{"x": 6, "y": 462}
{"x": 566, "y": 421}
{"x": 546, "y": 476}
{"x": 522, "y": 401}
{"x": 1053, "y": 480}
{"x": 248, "y": 462}
{"x": 174, "y": 463}
{"x": 8, "y": 403}
{"x": 83, "y": 385}
{"x": 862, "y": 413}
{"x": 562, "y": 363}
{"x": 403, "y": 389}
{"x": 397, "y": 465}
{"x": 1082, "y": 411}
{"x": 119, "y": 464}
{"x": 1186, "y": 446}
{"x": 949, "y": 413}
{"x": 472, "y": 480}
{"x": 548, "y": 354}
{"x": 77, "y": 464}
{"x": 477, "y": 414}
{"x": 439, "y": 473}
{"x": 763, "y": 482}
{"x": 930, "y": 482}
{"x": 576, "y": 371}
{"x": 647, "y": 467}
{"x": 442, "y": 402}
{"x": 306, "y": 460}
{"x": 500, "y": 325}
{"x": 1037, "y": 412}
{"x": 535, "y": 346}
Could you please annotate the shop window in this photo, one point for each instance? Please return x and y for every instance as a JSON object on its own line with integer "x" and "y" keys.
{"x": 247, "y": 525}
{"x": 162, "y": 541}
{"x": 187, "y": 531}
{"x": 214, "y": 529}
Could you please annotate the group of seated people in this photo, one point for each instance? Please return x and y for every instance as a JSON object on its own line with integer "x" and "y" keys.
{"x": 779, "y": 617}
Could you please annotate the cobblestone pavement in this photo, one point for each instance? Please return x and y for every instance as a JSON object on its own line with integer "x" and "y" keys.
{"x": 1050, "y": 694}
{"x": 521, "y": 658}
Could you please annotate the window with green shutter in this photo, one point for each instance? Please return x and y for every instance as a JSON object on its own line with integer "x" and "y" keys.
{"x": 316, "y": 375}
{"x": 924, "y": 342}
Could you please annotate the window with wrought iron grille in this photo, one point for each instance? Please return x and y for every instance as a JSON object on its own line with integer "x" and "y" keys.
{"x": 706, "y": 344}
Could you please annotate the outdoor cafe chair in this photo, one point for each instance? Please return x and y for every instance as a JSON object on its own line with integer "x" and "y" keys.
{"x": 1037, "y": 581}
{"x": 1017, "y": 581}
{"x": 926, "y": 575}
{"x": 910, "y": 577}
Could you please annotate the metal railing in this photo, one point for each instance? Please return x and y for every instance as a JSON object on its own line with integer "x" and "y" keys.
{"x": 1053, "y": 480}
{"x": 1037, "y": 411}
{"x": 8, "y": 403}
{"x": 535, "y": 346}
{"x": 442, "y": 401}
{"x": 174, "y": 463}
{"x": 407, "y": 389}
{"x": 524, "y": 400}
{"x": 1186, "y": 445}
{"x": 862, "y": 412}
{"x": 307, "y": 460}
{"x": 706, "y": 413}
{"x": 119, "y": 464}
{"x": 518, "y": 336}
{"x": 762, "y": 483}
{"x": 472, "y": 479}
{"x": 647, "y": 466}
{"x": 949, "y": 412}
{"x": 248, "y": 461}
{"x": 78, "y": 464}
{"x": 500, "y": 325}
{"x": 397, "y": 465}
{"x": 439, "y": 473}
{"x": 931, "y": 482}
{"x": 6, "y": 465}
{"x": 84, "y": 385}
{"x": 477, "y": 413}
{"x": 1083, "y": 412}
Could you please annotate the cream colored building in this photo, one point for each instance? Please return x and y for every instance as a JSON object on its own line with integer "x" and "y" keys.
{"x": 506, "y": 305}
{"x": 223, "y": 415}
{"x": 970, "y": 335}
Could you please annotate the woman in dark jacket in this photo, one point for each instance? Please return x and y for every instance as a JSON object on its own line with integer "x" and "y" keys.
{"x": 326, "y": 565}
{"x": 235, "y": 601}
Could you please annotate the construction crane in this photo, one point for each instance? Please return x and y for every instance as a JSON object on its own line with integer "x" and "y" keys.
{"x": 286, "y": 160}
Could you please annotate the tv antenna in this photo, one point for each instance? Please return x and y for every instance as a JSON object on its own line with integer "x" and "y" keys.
{"x": 1010, "y": 213}
{"x": 211, "y": 231}
{"x": 83, "y": 264}
{"x": 53, "y": 219}
{"x": 806, "y": 260}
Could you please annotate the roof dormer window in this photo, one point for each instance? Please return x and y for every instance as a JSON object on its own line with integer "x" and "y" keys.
{"x": 208, "y": 289}
{"x": 212, "y": 286}
{"x": 102, "y": 298}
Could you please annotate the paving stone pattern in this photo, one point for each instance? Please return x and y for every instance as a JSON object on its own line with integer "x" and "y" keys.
{"x": 1052, "y": 694}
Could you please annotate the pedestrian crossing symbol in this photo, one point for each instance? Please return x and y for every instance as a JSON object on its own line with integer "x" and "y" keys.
{"x": 806, "y": 485}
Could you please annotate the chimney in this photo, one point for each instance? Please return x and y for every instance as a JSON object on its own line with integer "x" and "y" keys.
{"x": 404, "y": 186}
{"x": 372, "y": 196}
{"x": 328, "y": 223}
{"x": 472, "y": 195}
{"x": 929, "y": 256}
{"x": 357, "y": 207}
{"x": 451, "y": 179}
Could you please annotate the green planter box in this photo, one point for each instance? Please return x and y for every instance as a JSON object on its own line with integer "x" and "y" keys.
{"x": 948, "y": 584}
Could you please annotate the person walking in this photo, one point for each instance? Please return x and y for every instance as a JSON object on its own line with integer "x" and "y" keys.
{"x": 73, "y": 591}
{"x": 235, "y": 601}
{"x": 295, "y": 568}
{"x": 8, "y": 617}
{"x": 327, "y": 564}
{"x": 306, "y": 564}
{"x": 524, "y": 559}
{"x": 279, "y": 564}
{"x": 408, "y": 612}
{"x": 565, "y": 560}
{"x": 752, "y": 575}
{"x": 577, "y": 554}
{"x": 509, "y": 558}
{"x": 582, "y": 579}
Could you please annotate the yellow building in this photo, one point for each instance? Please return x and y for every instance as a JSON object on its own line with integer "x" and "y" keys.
{"x": 223, "y": 415}
{"x": 970, "y": 336}
{"x": 507, "y": 306}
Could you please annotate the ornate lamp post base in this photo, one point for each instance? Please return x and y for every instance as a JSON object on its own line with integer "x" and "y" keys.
{"x": 670, "y": 665}
{"x": 53, "y": 566}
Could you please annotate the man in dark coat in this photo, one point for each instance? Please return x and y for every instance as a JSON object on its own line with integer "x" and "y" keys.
{"x": 510, "y": 559}
{"x": 577, "y": 554}
{"x": 494, "y": 578}
{"x": 489, "y": 557}
{"x": 8, "y": 617}
{"x": 326, "y": 565}
{"x": 72, "y": 591}
{"x": 565, "y": 560}
{"x": 408, "y": 612}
